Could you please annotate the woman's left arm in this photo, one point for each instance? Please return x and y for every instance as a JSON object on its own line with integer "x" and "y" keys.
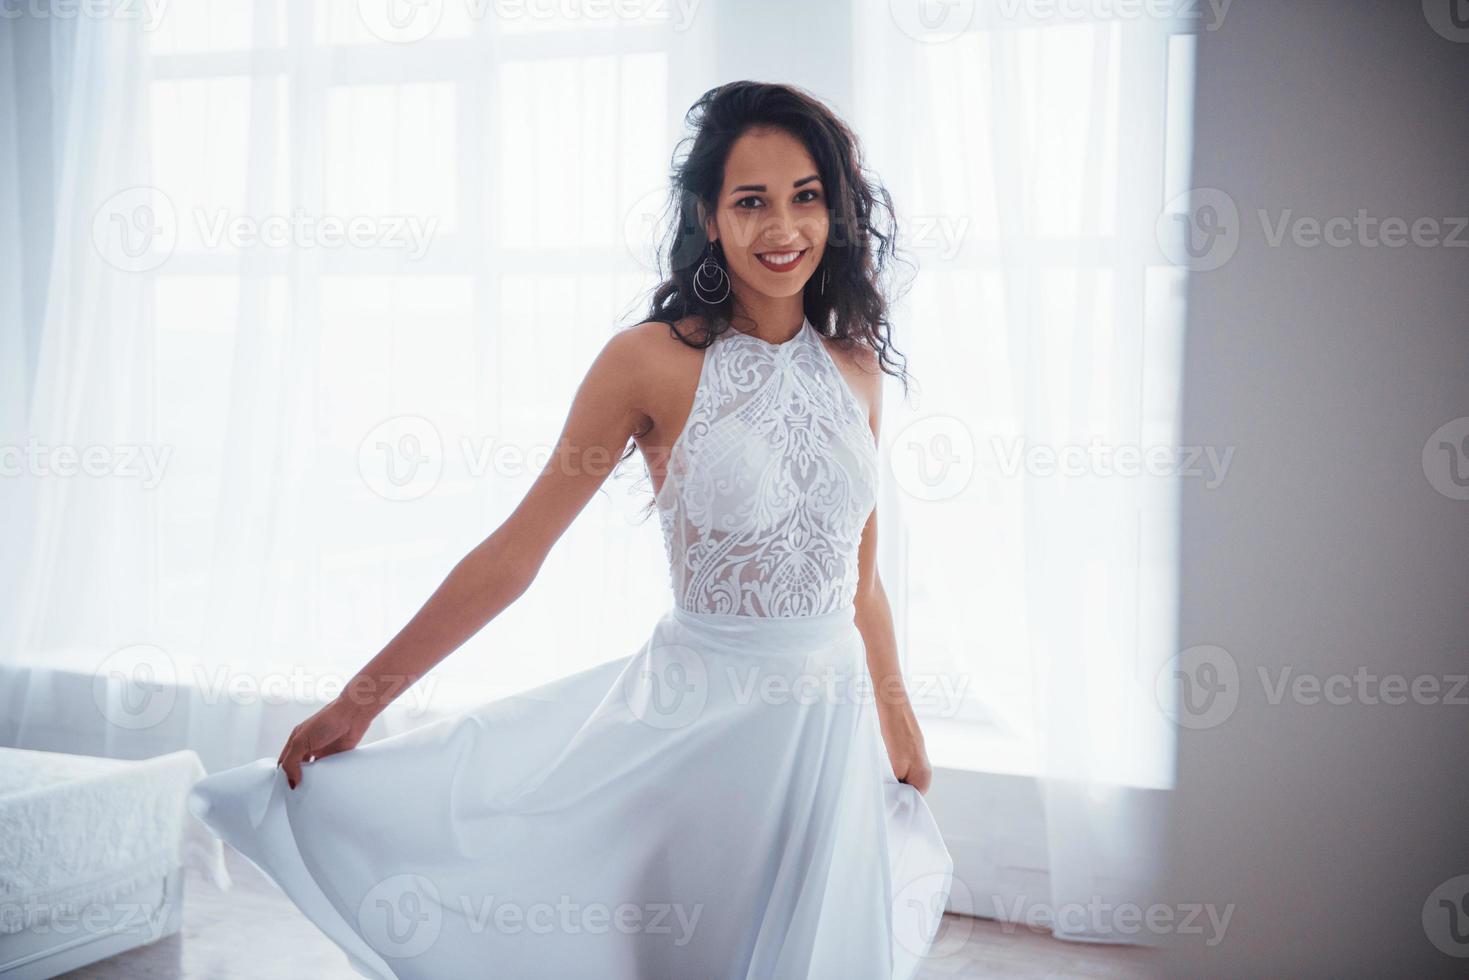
{"x": 900, "y": 731}
{"x": 874, "y": 619}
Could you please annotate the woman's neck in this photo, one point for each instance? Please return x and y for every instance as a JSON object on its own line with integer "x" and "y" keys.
{"x": 774, "y": 320}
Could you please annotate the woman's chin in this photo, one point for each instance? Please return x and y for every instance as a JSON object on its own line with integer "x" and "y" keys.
{"x": 779, "y": 286}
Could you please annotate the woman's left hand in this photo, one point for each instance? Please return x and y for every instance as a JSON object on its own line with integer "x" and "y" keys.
{"x": 904, "y": 742}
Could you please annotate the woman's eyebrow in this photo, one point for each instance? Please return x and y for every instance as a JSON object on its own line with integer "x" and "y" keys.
{"x": 761, "y": 187}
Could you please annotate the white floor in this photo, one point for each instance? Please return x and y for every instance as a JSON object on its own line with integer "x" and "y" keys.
{"x": 252, "y": 932}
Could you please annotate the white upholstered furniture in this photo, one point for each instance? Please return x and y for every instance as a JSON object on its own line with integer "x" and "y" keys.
{"x": 92, "y": 853}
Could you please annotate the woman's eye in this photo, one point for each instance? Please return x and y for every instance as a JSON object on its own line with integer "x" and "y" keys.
{"x": 801, "y": 198}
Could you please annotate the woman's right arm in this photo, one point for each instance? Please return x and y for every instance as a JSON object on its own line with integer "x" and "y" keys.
{"x": 603, "y": 416}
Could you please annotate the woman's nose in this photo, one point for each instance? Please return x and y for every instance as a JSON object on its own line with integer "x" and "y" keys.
{"x": 779, "y": 231}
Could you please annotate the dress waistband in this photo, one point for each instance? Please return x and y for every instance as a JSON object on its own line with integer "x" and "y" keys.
{"x": 766, "y": 635}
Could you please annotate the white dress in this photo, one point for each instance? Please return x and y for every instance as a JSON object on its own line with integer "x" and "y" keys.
{"x": 719, "y": 804}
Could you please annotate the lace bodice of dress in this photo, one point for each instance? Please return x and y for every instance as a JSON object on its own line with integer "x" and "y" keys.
{"x": 770, "y": 483}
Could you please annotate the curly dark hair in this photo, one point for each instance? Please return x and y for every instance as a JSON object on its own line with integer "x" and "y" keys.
{"x": 852, "y": 309}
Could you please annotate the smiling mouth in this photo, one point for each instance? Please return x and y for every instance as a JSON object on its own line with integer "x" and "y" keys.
{"x": 782, "y": 261}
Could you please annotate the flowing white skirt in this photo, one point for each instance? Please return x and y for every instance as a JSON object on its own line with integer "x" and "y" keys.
{"x": 720, "y": 804}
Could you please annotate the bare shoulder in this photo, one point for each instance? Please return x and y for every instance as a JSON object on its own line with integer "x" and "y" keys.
{"x": 657, "y": 335}
{"x": 643, "y": 351}
{"x": 865, "y": 358}
{"x": 860, "y": 366}
{"x": 653, "y": 344}
{"x": 664, "y": 366}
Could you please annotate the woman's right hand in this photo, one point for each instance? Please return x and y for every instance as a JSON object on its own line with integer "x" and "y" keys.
{"x": 335, "y": 728}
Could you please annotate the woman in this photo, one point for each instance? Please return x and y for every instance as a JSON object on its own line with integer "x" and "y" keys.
{"x": 743, "y": 796}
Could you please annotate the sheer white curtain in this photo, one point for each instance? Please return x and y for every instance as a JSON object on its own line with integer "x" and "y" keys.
{"x": 77, "y": 402}
{"x": 323, "y": 283}
{"x": 1034, "y": 473}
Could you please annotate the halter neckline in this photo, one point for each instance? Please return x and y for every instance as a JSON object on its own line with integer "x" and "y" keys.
{"x": 805, "y": 325}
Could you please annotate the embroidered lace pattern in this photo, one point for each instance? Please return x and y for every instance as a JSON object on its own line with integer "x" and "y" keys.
{"x": 770, "y": 483}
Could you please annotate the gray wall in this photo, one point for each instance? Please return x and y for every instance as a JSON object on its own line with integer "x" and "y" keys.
{"x": 1327, "y": 548}
{"x": 27, "y": 204}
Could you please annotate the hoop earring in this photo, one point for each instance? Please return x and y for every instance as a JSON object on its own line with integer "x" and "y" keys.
{"x": 823, "y": 279}
{"x": 712, "y": 270}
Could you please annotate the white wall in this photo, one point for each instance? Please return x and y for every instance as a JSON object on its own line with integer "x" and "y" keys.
{"x": 1327, "y": 548}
